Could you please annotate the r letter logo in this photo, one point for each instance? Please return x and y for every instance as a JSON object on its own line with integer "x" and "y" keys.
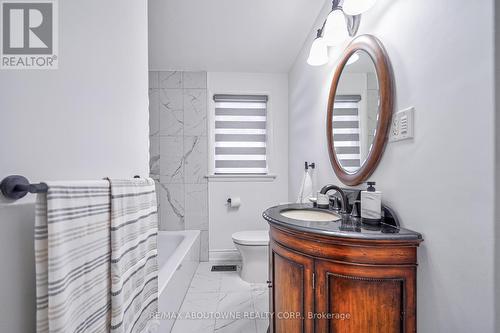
{"x": 29, "y": 34}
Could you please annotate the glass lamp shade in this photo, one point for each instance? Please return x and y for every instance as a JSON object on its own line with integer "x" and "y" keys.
{"x": 335, "y": 28}
{"x": 356, "y": 7}
{"x": 318, "y": 55}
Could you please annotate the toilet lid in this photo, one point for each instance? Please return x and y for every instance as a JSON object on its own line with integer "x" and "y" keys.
{"x": 254, "y": 237}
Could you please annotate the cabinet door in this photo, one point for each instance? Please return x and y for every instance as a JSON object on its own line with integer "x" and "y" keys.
{"x": 291, "y": 294}
{"x": 368, "y": 299}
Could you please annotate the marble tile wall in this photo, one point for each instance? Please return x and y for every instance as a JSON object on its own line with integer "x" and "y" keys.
{"x": 179, "y": 150}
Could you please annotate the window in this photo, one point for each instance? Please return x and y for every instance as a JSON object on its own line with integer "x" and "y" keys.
{"x": 346, "y": 124}
{"x": 240, "y": 134}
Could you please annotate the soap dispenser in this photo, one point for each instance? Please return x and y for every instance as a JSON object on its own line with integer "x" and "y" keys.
{"x": 371, "y": 205}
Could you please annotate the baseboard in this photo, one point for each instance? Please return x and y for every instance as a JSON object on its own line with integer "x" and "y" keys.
{"x": 224, "y": 255}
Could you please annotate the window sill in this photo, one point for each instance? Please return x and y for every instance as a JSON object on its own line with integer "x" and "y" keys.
{"x": 241, "y": 178}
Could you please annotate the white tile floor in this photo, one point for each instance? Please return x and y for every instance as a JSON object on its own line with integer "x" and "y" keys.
{"x": 215, "y": 294}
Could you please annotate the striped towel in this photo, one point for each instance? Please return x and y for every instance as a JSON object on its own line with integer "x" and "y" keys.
{"x": 95, "y": 253}
{"x": 72, "y": 255}
{"x": 134, "y": 266}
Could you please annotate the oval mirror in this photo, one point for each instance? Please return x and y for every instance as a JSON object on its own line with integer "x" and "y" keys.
{"x": 359, "y": 110}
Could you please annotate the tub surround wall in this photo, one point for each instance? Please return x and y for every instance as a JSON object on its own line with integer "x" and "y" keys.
{"x": 178, "y": 150}
{"x": 445, "y": 69}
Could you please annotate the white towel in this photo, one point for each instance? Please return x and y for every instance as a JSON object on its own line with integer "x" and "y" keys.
{"x": 306, "y": 188}
{"x": 134, "y": 266}
{"x": 72, "y": 256}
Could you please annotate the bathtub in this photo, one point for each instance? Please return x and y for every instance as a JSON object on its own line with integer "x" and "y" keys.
{"x": 178, "y": 258}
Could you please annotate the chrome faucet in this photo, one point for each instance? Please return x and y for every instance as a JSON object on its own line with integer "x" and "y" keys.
{"x": 328, "y": 188}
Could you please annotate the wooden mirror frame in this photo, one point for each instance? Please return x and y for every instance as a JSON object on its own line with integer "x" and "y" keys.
{"x": 374, "y": 48}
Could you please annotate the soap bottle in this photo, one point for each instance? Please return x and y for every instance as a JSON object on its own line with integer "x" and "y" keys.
{"x": 371, "y": 205}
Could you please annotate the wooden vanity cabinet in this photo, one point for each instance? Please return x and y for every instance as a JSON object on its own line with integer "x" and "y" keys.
{"x": 341, "y": 285}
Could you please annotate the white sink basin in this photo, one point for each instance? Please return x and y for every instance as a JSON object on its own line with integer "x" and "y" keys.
{"x": 310, "y": 215}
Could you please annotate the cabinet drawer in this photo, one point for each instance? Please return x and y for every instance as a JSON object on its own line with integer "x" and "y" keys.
{"x": 348, "y": 250}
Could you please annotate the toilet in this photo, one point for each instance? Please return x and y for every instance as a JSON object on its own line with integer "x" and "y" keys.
{"x": 253, "y": 247}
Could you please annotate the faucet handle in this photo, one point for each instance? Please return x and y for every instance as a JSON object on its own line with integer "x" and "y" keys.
{"x": 335, "y": 202}
{"x": 356, "y": 209}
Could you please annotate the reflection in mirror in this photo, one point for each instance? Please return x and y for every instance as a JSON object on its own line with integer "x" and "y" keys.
{"x": 355, "y": 111}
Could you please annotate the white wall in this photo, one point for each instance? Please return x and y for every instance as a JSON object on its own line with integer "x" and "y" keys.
{"x": 497, "y": 166}
{"x": 87, "y": 120}
{"x": 256, "y": 196}
{"x": 441, "y": 183}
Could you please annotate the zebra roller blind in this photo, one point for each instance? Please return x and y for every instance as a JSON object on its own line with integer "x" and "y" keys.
{"x": 346, "y": 131}
{"x": 240, "y": 134}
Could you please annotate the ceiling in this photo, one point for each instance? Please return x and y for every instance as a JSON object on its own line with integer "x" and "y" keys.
{"x": 229, "y": 35}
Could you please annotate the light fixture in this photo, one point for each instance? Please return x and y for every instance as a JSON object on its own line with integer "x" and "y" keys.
{"x": 335, "y": 29}
{"x": 318, "y": 55}
{"x": 338, "y": 26}
{"x": 356, "y": 7}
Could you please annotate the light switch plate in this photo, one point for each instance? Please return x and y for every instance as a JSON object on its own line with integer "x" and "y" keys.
{"x": 402, "y": 126}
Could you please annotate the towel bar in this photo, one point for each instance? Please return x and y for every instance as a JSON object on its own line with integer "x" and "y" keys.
{"x": 15, "y": 187}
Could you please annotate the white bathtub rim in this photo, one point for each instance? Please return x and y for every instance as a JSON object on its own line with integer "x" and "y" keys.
{"x": 166, "y": 272}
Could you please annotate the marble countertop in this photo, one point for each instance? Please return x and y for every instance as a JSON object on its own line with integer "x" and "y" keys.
{"x": 346, "y": 228}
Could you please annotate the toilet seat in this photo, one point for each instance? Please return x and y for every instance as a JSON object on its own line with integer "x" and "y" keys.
{"x": 254, "y": 237}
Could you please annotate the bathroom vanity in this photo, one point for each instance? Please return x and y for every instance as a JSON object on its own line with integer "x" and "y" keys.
{"x": 330, "y": 272}
{"x": 339, "y": 275}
